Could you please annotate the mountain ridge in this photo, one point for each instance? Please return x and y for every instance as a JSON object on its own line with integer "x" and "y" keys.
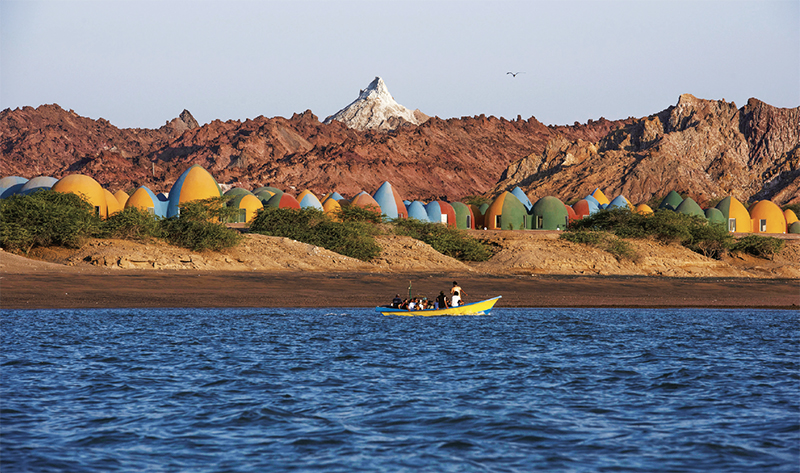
{"x": 701, "y": 147}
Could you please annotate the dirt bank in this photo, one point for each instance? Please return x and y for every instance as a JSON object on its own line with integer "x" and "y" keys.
{"x": 529, "y": 270}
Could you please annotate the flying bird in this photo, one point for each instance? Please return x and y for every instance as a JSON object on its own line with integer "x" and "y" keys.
{"x": 514, "y": 74}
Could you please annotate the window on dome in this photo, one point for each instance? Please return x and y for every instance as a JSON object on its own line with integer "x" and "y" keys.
{"x": 731, "y": 224}
{"x": 762, "y": 225}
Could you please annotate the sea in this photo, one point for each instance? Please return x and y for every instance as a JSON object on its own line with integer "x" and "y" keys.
{"x": 351, "y": 390}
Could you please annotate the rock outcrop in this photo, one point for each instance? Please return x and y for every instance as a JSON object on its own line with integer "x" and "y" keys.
{"x": 376, "y": 109}
{"x": 452, "y": 158}
{"x": 707, "y": 149}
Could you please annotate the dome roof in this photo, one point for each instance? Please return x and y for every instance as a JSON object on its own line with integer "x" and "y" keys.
{"x": 194, "y": 184}
{"x": 90, "y": 189}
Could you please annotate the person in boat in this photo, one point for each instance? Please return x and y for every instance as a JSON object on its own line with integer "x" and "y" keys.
{"x": 457, "y": 294}
{"x": 412, "y": 304}
{"x": 441, "y": 301}
{"x": 396, "y": 302}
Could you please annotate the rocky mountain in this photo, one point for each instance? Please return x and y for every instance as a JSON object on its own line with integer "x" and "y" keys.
{"x": 704, "y": 148}
{"x": 707, "y": 149}
{"x": 440, "y": 158}
{"x": 376, "y": 109}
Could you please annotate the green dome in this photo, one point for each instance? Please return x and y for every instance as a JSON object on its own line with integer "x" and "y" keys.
{"x": 690, "y": 207}
{"x": 795, "y": 227}
{"x": 549, "y": 213}
{"x": 715, "y": 216}
{"x": 671, "y": 201}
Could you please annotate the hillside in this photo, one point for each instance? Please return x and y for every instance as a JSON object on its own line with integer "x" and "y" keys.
{"x": 453, "y": 158}
{"x": 704, "y": 148}
{"x": 707, "y": 149}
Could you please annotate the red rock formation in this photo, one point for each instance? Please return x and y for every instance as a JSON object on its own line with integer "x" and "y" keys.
{"x": 452, "y": 158}
{"x": 707, "y": 149}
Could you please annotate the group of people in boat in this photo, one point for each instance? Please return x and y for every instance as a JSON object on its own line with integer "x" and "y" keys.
{"x": 442, "y": 301}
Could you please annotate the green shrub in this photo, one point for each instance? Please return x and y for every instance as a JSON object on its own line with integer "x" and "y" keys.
{"x": 666, "y": 226}
{"x": 605, "y": 241}
{"x": 46, "y": 218}
{"x": 446, "y": 240}
{"x": 132, "y": 224}
{"x": 197, "y": 226}
{"x": 582, "y": 236}
{"x": 354, "y": 238}
{"x": 354, "y": 213}
{"x": 710, "y": 240}
{"x": 760, "y": 246}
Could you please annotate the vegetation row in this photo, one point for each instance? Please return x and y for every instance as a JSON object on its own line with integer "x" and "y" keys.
{"x": 605, "y": 229}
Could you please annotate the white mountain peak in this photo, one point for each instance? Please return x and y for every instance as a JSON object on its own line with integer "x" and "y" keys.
{"x": 376, "y": 109}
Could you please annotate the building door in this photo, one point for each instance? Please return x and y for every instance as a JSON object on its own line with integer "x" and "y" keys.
{"x": 762, "y": 225}
{"x": 731, "y": 225}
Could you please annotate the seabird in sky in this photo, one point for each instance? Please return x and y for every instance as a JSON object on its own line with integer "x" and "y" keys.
{"x": 514, "y": 74}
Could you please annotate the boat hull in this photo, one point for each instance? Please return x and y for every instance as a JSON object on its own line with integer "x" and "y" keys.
{"x": 475, "y": 308}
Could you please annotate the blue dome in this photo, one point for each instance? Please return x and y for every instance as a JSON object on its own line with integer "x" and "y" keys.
{"x": 417, "y": 210}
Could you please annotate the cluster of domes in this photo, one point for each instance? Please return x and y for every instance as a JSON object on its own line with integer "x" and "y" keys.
{"x": 508, "y": 211}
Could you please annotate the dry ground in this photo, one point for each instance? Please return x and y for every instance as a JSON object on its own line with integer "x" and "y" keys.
{"x": 531, "y": 269}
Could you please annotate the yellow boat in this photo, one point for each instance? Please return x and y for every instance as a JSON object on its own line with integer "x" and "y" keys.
{"x": 476, "y": 308}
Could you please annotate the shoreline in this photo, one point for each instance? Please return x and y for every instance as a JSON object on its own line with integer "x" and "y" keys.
{"x": 61, "y": 287}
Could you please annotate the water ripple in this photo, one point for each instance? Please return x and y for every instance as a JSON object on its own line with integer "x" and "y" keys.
{"x": 346, "y": 390}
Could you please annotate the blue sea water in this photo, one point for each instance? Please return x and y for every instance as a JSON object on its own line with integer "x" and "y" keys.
{"x": 347, "y": 390}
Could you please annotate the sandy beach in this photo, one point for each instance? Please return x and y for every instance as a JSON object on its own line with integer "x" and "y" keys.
{"x": 119, "y": 289}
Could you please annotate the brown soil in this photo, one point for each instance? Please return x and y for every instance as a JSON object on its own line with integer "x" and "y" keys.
{"x": 529, "y": 270}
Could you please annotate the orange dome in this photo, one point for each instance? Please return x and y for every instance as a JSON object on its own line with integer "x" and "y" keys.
{"x": 122, "y": 197}
{"x": 767, "y": 218}
{"x": 790, "y": 216}
{"x": 112, "y": 203}
{"x": 86, "y": 187}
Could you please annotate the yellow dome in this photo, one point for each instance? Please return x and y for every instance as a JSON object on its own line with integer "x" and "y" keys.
{"x": 122, "y": 197}
{"x": 141, "y": 199}
{"x": 644, "y": 209}
{"x": 600, "y": 197}
{"x": 331, "y": 207}
{"x": 112, "y": 203}
{"x": 194, "y": 184}
{"x": 790, "y": 216}
{"x": 86, "y": 187}
{"x": 251, "y": 204}
{"x": 767, "y": 218}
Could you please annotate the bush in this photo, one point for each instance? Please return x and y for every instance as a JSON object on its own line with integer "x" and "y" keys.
{"x": 760, "y": 246}
{"x": 46, "y": 218}
{"x": 605, "y": 241}
{"x": 354, "y": 213}
{"x": 353, "y": 237}
{"x": 197, "y": 226}
{"x": 667, "y": 226}
{"x": 132, "y": 224}
{"x": 446, "y": 240}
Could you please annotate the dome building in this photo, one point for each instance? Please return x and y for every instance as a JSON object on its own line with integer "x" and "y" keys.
{"x": 144, "y": 199}
{"x": 194, "y": 184}
{"x": 389, "y": 200}
{"x": 417, "y": 210}
{"x": 735, "y": 214}
{"x": 38, "y": 183}
{"x": 549, "y": 213}
{"x": 87, "y": 187}
{"x": 506, "y": 212}
{"x": 766, "y": 217}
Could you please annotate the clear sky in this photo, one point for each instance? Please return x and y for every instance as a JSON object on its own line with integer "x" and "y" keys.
{"x": 140, "y": 63}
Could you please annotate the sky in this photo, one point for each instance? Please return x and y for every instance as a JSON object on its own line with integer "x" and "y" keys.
{"x": 140, "y": 63}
